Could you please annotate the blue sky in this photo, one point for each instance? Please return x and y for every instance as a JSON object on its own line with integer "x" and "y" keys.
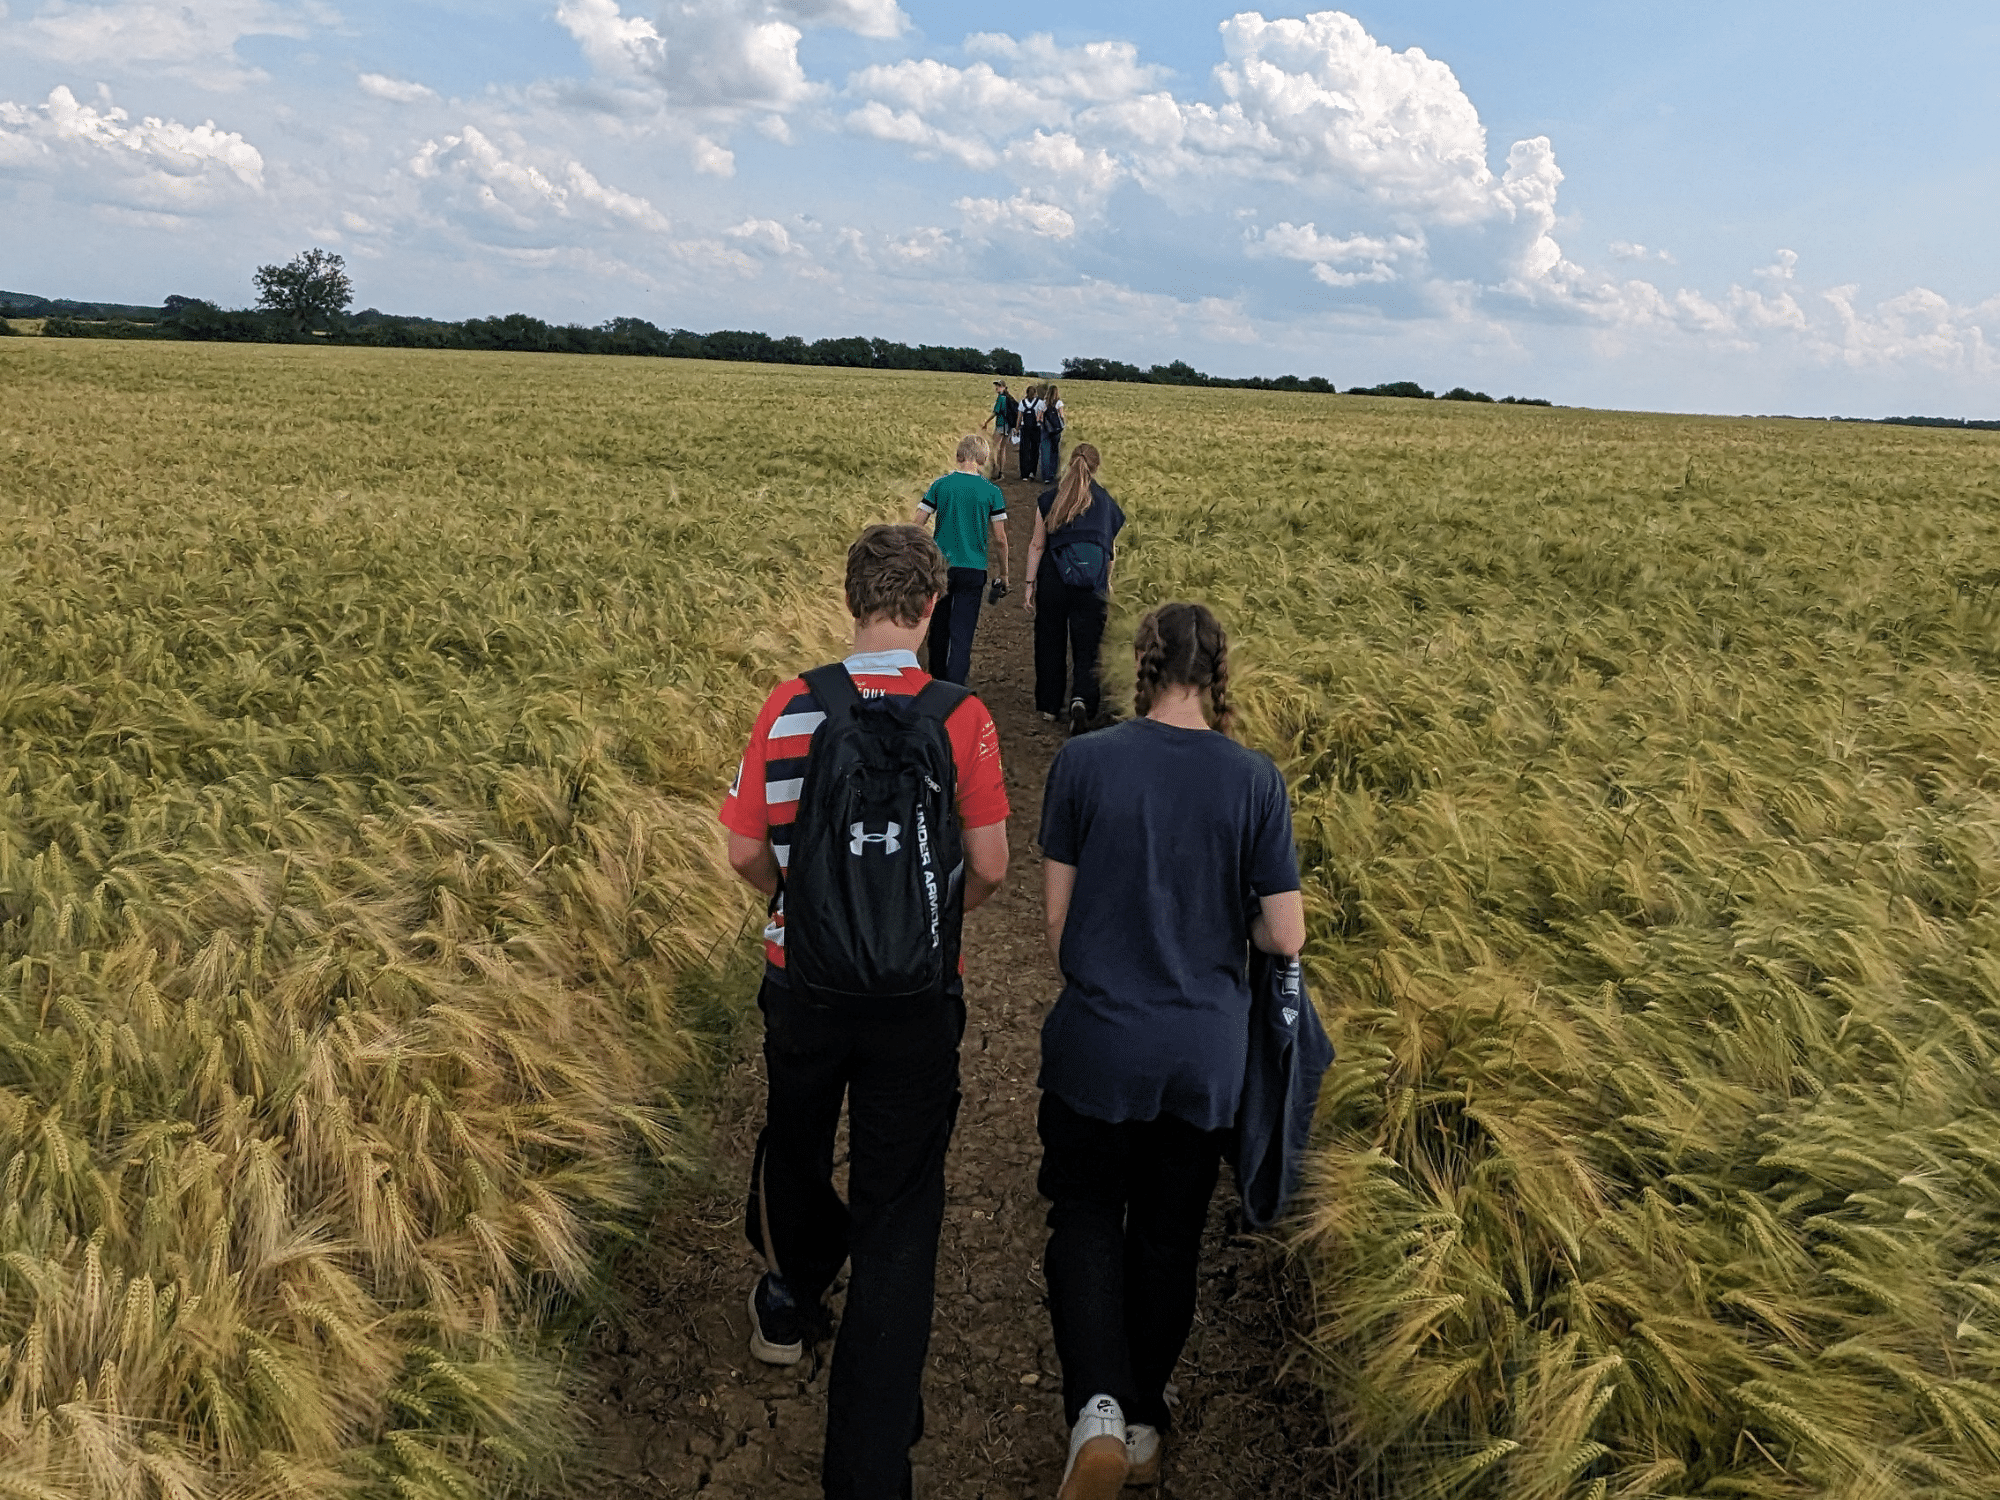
{"x": 1778, "y": 207}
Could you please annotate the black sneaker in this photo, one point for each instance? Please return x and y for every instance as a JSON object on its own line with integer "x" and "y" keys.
{"x": 777, "y": 1327}
{"x": 1079, "y": 716}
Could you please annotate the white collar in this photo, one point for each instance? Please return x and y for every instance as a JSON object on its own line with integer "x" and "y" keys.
{"x": 882, "y": 661}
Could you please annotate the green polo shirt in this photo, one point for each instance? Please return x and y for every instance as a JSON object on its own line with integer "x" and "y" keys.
{"x": 966, "y": 506}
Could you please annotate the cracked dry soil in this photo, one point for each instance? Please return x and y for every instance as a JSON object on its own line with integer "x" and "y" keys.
{"x": 677, "y": 1407}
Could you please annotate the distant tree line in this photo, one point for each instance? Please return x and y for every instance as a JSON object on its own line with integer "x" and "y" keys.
{"x": 307, "y": 298}
{"x": 192, "y": 318}
{"x": 1182, "y": 373}
{"x": 636, "y": 336}
{"x": 24, "y": 305}
{"x": 1978, "y": 425}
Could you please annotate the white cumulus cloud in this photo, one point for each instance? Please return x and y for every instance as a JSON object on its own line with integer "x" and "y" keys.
{"x": 1059, "y": 157}
{"x": 1918, "y": 327}
{"x": 926, "y": 141}
{"x": 765, "y": 235}
{"x": 718, "y": 54}
{"x": 712, "y": 159}
{"x": 1365, "y": 257}
{"x": 704, "y": 52}
{"x": 395, "y": 90}
{"x": 194, "y": 41}
{"x": 926, "y": 248}
{"x": 506, "y": 183}
{"x": 1313, "y": 110}
{"x": 1020, "y": 213}
{"x": 99, "y": 153}
{"x": 1783, "y": 267}
{"x": 1321, "y": 98}
{"x": 1630, "y": 250}
{"x": 633, "y": 209}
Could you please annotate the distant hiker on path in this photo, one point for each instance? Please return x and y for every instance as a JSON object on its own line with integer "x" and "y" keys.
{"x": 1053, "y": 423}
{"x": 971, "y": 517}
{"x": 1031, "y": 431}
{"x": 1168, "y": 853}
{"x": 1069, "y": 587}
{"x": 1006, "y": 412}
{"x": 867, "y": 791}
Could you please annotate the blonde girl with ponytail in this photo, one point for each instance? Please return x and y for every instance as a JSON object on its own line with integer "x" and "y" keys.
{"x": 1069, "y": 588}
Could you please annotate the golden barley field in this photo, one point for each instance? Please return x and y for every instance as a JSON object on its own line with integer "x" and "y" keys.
{"x": 361, "y": 719}
{"x": 1647, "y": 775}
{"x": 362, "y": 722}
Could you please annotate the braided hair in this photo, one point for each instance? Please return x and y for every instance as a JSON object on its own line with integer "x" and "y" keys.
{"x": 1184, "y": 644}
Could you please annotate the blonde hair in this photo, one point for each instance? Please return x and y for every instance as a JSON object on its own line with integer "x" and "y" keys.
{"x": 972, "y": 449}
{"x": 1073, "y": 492}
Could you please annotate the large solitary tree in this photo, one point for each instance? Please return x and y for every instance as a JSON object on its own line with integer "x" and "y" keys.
{"x": 311, "y": 289}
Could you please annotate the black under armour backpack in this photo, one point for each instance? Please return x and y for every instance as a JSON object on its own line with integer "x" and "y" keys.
{"x": 875, "y": 886}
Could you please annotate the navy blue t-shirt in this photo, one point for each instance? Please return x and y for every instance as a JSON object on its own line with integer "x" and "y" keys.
{"x": 1174, "y": 834}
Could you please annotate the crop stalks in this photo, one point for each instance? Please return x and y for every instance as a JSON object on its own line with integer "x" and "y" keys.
{"x": 1647, "y": 779}
{"x": 363, "y": 718}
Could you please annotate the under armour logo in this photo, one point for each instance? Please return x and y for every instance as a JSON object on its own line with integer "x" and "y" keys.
{"x": 859, "y": 839}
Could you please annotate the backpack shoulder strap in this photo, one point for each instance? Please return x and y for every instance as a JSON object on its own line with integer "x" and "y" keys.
{"x": 940, "y": 700}
{"x": 832, "y": 687}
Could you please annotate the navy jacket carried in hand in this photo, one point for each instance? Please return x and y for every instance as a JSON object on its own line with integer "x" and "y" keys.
{"x": 1289, "y": 1054}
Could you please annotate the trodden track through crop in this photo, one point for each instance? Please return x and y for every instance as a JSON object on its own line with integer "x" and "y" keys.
{"x": 362, "y": 718}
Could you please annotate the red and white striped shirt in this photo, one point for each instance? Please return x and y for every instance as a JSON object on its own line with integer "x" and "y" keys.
{"x": 764, "y": 798}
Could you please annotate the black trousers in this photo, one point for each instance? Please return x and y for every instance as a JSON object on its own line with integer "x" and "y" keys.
{"x": 1031, "y": 448}
{"x": 899, "y": 1075}
{"x": 1069, "y": 628}
{"x": 953, "y": 623}
{"x": 1126, "y": 1208}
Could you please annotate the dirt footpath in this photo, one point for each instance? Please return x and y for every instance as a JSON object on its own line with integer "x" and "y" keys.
{"x": 678, "y": 1406}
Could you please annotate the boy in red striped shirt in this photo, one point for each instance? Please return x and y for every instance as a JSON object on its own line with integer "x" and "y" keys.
{"x": 898, "y": 1071}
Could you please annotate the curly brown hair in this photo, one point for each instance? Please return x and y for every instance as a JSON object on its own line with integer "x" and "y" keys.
{"x": 893, "y": 572}
{"x": 1184, "y": 644}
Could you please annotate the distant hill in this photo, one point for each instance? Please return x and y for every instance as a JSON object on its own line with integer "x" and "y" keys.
{"x": 24, "y": 305}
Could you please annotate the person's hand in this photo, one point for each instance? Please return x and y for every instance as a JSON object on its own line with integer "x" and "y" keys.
{"x": 1028, "y": 596}
{"x": 997, "y": 592}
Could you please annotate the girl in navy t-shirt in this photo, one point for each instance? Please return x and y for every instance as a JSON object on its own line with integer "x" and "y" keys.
{"x": 1168, "y": 850}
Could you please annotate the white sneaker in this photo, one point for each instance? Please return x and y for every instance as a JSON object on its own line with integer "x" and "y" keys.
{"x": 1142, "y": 1454}
{"x": 1097, "y": 1463}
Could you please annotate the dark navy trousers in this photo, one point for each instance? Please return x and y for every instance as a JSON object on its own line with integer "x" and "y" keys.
{"x": 1127, "y": 1203}
{"x": 898, "y": 1075}
{"x": 953, "y": 623}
